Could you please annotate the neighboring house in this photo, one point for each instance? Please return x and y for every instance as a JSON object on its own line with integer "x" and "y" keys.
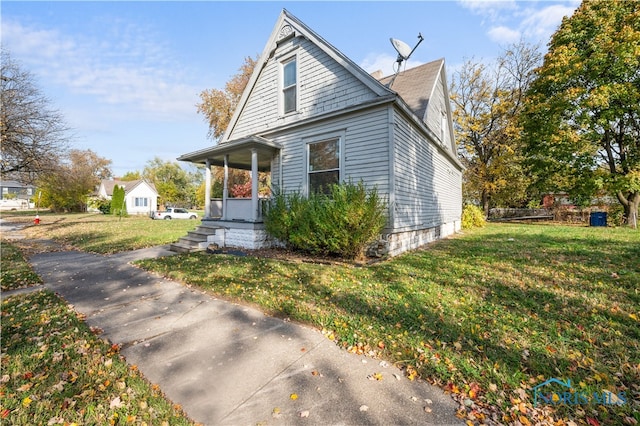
{"x": 15, "y": 195}
{"x": 310, "y": 116}
{"x": 11, "y": 189}
{"x": 140, "y": 196}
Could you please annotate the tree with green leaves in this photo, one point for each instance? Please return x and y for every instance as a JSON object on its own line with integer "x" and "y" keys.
{"x": 70, "y": 184}
{"x": 175, "y": 186}
{"x": 118, "y": 202}
{"x": 488, "y": 99}
{"x": 131, "y": 176}
{"x": 582, "y": 117}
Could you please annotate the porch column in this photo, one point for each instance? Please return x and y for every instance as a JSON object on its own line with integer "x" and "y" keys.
{"x": 254, "y": 185}
{"x": 225, "y": 191}
{"x": 207, "y": 189}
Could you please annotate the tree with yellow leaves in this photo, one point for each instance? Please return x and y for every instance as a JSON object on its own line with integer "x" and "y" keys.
{"x": 582, "y": 117}
{"x": 488, "y": 99}
{"x": 217, "y": 107}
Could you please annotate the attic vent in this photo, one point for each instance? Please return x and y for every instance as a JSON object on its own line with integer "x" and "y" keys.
{"x": 285, "y": 32}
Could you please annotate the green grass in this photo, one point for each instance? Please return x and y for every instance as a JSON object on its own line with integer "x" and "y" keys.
{"x": 487, "y": 315}
{"x": 104, "y": 234}
{"x": 55, "y": 370}
{"x": 16, "y": 272}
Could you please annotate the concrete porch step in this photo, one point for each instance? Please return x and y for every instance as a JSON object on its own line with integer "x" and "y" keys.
{"x": 195, "y": 240}
{"x": 184, "y": 248}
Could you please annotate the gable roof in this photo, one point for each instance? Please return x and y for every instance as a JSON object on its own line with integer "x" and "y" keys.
{"x": 415, "y": 85}
{"x": 129, "y": 185}
{"x": 298, "y": 28}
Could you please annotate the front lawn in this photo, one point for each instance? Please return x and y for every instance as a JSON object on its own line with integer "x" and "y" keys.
{"x": 56, "y": 371}
{"x": 15, "y": 271}
{"x": 487, "y": 315}
{"x": 100, "y": 233}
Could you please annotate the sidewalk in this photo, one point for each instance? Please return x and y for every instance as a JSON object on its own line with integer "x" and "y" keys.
{"x": 228, "y": 364}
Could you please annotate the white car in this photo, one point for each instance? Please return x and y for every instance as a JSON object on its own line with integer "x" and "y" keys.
{"x": 174, "y": 213}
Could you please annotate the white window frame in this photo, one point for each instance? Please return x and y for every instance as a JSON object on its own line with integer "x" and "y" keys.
{"x": 283, "y": 63}
{"x": 340, "y": 137}
{"x": 144, "y": 204}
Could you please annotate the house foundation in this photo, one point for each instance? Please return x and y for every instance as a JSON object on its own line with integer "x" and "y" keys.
{"x": 401, "y": 242}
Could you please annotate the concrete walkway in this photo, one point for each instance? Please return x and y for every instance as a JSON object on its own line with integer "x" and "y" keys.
{"x": 228, "y": 364}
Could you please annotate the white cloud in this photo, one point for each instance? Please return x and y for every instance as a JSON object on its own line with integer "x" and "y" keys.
{"x": 379, "y": 61}
{"x": 511, "y": 20}
{"x": 386, "y": 63}
{"x": 504, "y": 35}
{"x": 541, "y": 24}
{"x": 130, "y": 69}
{"x": 491, "y": 9}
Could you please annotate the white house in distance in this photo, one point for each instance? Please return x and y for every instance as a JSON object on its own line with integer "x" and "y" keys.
{"x": 309, "y": 116}
{"x": 140, "y": 196}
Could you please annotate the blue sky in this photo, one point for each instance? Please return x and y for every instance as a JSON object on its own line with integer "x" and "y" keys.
{"x": 127, "y": 75}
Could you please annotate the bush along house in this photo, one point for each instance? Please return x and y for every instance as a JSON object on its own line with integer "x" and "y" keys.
{"x": 311, "y": 116}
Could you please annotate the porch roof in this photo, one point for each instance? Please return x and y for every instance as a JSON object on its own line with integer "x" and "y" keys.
{"x": 239, "y": 152}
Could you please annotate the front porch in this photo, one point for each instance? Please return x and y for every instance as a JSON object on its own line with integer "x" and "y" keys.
{"x": 233, "y": 222}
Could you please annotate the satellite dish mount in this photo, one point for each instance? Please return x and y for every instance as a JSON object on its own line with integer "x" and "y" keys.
{"x": 404, "y": 52}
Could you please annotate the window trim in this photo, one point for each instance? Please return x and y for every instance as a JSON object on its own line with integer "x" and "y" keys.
{"x": 146, "y": 202}
{"x": 283, "y": 63}
{"x": 340, "y": 137}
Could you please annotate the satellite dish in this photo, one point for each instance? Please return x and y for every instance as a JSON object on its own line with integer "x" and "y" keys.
{"x": 403, "y": 49}
{"x": 404, "y": 52}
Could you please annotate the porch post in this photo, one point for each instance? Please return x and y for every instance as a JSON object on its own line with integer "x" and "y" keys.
{"x": 225, "y": 191}
{"x": 207, "y": 189}
{"x": 254, "y": 184}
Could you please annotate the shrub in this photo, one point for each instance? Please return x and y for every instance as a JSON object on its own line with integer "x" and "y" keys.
{"x": 615, "y": 215}
{"x": 101, "y": 204}
{"x": 472, "y": 217}
{"x": 342, "y": 223}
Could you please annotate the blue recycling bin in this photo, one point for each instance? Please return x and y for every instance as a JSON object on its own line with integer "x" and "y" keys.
{"x": 598, "y": 219}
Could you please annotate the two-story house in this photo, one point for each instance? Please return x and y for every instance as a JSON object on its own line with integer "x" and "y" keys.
{"x": 310, "y": 116}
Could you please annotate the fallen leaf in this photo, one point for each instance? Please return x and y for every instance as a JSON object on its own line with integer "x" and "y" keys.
{"x": 26, "y": 402}
{"x": 592, "y": 421}
{"x": 493, "y": 387}
{"x": 115, "y": 403}
{"x": 364, "y": 408}
{"x": 25, "y": 387}
{"x": 375, "y": 376}
{"x": 304, "y": 414}
{"x": 293, "y": 396}
{"x": 427, "y": 409}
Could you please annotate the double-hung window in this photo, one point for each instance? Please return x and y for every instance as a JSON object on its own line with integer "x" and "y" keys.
{"x": 324, "y": 165}
{"x": 289, "y": 85}
{"x": 141, "y": 202}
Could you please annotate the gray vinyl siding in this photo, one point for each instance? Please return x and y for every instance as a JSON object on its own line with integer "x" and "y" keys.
{"x": 427, "y": 186}
{"x": 323, "y": 86}
{"x": 438, "y": 105}
{"x": 365, "y": 150}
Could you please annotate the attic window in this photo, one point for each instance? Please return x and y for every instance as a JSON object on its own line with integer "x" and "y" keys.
{"x": 289, "y": 86}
